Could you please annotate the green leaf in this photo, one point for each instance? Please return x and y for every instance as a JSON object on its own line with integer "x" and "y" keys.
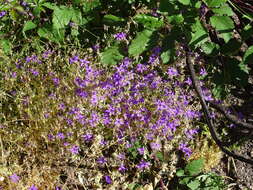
{"x": 51, "y": 6}
{"x": 77, "y": 17}
{"x": 159, "y": 155}
{"x": 139, "y": 44}
{"x": 44, "y": 33}
{"x": 62, "y": 16}
{"x": 180, "y": 173}
{"x": 198, "y": 35}
{"x": 112, "y": 20}
{"x": 90, "y": 5}
{"x": 195, "y": 167}
{"x": 29, "y": 25}
{"x": 224, "y": 10}
{"x": 165, "y": 56}
{"x": 185, "y": 2}
{"x": 215, "y": 3}
{"x": 6, "y": 46}
{"x": 176, "y": 19}
{"x": 224, "y": 25}
{"x": 247, "y": 32}
{"x": 248, "y": 56}
{"x": 111, "y": 56}
{"x": 209, "y": 48}
{"x": 185, "y": 180}
{"x": 148, "y": 21}
{"x": 193, "y": 184}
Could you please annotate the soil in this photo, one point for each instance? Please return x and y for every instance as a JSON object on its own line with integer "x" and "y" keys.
{"x": 240, "y": 174}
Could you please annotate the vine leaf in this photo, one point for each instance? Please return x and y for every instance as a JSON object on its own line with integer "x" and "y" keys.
{"x": 223, "y": 10}
{"x": 214, "y": 3}
{"x": 148, "y": 21}
{"x": 248, "y": 56}
{"x": 111, "y": 55}
{"x": 224, "y": 25}
{"x": 185, "y": 2}
{"x": 195, "y": 166}
{"x": 29, "y": 25}
{"x": 139, "y": 44}
{"x": 198, "y": 35}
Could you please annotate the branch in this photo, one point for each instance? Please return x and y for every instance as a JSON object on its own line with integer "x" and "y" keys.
{"x": 208, "y": 116}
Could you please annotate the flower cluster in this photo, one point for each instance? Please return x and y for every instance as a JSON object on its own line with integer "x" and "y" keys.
{"x": 95, "y": 112}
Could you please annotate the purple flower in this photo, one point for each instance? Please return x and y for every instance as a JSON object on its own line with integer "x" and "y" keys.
{"x": 58, "y": 188}
{"x": 80, "y": 92}
{"x": 103, "y": 142}
{"x": 14, "y": 178}
{"x": 74, "y": 149}
{"x": 62, "y": 106}
{"x": 34, "y": 72}
{"x": 121, "y": 156}
{"x": 14, "y": 74}
{"x": 50, "y": 137}
{"x": 33, "y": 187}
{"x": 73, "y": 59}
{"x": 47, "y": 53}
{"x": 188, "y": 81}
{"x": 172, "y": 72}
{"x": 2, "y": 14}
{"x": 189, "y": 133}
{"x": 72, "y": 24}
{"x": 141, "y": 150}
{"x": 101, "y": 160}
{"x": 83, "y": 62}
{"x": 203, "y": 72}
{"x": 155, "y": 146}
{"x": 143, "y": 165}
{"x": 96, "y": 47}
{"x": 108, "y": 179}
{"x": 120, "y": 36}
{"x": 122, "y": 168}
{"x": 88, "y": 137}
{"x": 186, "y": 150}
{"x": 119, "y": 122}
{"x": 141, "y": 68}
{"x": 61, "y": 135}
{"x": 56, "y": 81}
{"x": 23, "y": 3}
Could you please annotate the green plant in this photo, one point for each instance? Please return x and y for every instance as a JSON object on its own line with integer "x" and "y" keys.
{"x": 191, "y": 177}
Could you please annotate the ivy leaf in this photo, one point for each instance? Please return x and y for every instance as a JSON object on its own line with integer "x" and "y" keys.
{"x": 193, "y": 184}
{"x": 29, "y": 25}
{"x": 148, "y": 21}
{"x": 90, "y": 5}
{"x": 61, "y": 17}
{"x": 176, "y": 19}
{"x": 139, "y": 44}
{"x": 6, "y": 45}
{"x": 159, "y": 155}
{"x": 111, "y": 55}
{"x": 112, "y": 20}
{"x": 209, "y": 48}
{"x": 185, "y": 2}
{"x": 198, "y": 35}
{"x": 215, "y": 3}
{"x": 223, "y": 10}
{"x": 224, "y": 25}
{"x": 77, "y": 17}
{"x": 180, "y": 173}
{"x": 247, "y": 32}
{"x": 248, "y": 56}
{"x": 51, "y": 6}
{"x": 195, "y": 166}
